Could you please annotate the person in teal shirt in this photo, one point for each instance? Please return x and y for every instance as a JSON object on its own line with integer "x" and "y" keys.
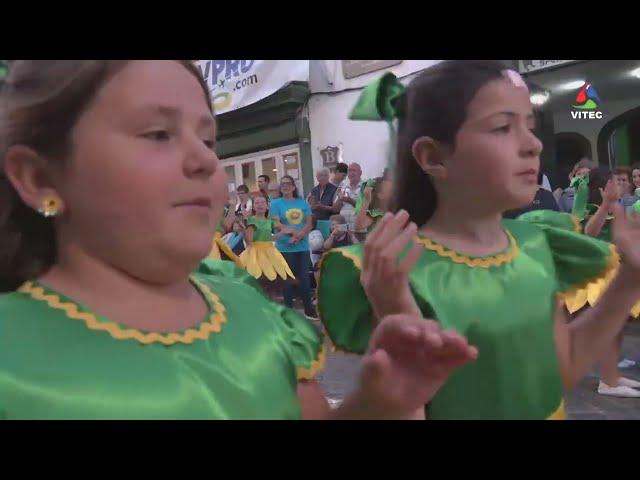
{"x": 292, "y": 215}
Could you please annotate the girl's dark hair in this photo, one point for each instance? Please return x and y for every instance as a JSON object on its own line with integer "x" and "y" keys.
{"x": 295, "y": 187}
{"x": 242, "y": 189}
{"x": 434, "y": 105}
{"x": 598, "y": 178}
{"x": 40, "y": 103}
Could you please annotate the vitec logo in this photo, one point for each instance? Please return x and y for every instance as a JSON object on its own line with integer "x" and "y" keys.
{"x": 587, "y": 103}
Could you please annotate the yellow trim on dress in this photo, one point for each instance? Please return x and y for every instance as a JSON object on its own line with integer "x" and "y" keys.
{"x": 486, "y": 262}
{"x": 577, "y": 226}
{"x": 559, "y": 414}
{"x": 212, "y": 325}
{"x": 316, "y": 366}
{"x": 589, "y": 291}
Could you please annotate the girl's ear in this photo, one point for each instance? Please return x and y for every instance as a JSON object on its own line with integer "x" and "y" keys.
{"x": 29, "y": 174}
{"x": 430, "y": 157}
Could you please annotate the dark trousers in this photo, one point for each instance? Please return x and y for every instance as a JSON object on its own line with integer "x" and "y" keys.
{"x": 299, "y": 263}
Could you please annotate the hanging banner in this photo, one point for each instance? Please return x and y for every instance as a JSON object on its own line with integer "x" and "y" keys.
{"x": 237, "y": 83}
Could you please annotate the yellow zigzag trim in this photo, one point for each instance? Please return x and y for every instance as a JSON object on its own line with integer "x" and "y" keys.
{"x": 213, "y": 324}
{"x": 455, "y": 257}
{"x": 316, "y": 366}
{"x": 559, "y": 414}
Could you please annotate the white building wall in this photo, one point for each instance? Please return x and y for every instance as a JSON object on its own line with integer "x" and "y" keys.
{"x": 331, "y": 101}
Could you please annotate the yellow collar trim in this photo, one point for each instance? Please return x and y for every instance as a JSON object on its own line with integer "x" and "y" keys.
{"x": 442, "y": 251}
{"x": 212, "y": 325}
{"x": 485, "y": 262}
{"x": 316, "y": 366}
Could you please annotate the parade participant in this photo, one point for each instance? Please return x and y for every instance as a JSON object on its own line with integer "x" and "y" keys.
{"x": 220, "y": 250}
{"x": 496, "y": 282}
{"x": 603, "y": 192}
{"x": 262, "y": 258}
{"x": 109, "y": 192}
{"x": 235, "y": 239}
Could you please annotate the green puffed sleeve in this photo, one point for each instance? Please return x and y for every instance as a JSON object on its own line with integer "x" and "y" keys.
{"x": 227, "y": 269}
{"x": 584, "y": 265}
{"x": 343, "y": 306}
{"x": 306, "y": 343}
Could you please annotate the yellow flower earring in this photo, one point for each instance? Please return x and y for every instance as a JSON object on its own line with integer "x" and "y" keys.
{"x": 51, "y": 205}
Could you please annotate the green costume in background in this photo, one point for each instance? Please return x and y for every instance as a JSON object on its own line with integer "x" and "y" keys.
{"x": 59, "y": 360}
{"x": 504, "y": 304}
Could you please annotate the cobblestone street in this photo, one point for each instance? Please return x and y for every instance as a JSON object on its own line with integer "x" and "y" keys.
{"x": 584, "y": 403}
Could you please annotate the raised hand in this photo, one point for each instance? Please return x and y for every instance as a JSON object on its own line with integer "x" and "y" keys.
{"x": 611, "y": 193}
{"x": 408, "y": 361}
{"x": 384, "y": 278}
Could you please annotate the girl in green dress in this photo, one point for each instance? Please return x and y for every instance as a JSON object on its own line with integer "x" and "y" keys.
{"x": 109, "y": 191}
{"x": 466, "y": 153}
{"x": 262, "y": 258}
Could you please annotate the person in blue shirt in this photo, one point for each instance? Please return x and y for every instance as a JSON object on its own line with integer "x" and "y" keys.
{"x": 294, "y": 221}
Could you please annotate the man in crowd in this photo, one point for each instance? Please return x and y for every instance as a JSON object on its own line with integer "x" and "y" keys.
{"x": 348, "y": 195}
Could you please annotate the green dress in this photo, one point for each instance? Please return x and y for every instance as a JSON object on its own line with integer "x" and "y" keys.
{"x": 504, "y": 304}
{"x": 59, "y": 360}
{"x": 263, "y": 228}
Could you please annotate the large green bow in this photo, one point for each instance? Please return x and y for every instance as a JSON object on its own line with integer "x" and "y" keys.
{"x": 377, "y": 100}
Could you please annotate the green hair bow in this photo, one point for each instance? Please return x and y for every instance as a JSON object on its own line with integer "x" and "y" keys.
{"x": 581, "y": 186}
{"x": 378, "y": 102}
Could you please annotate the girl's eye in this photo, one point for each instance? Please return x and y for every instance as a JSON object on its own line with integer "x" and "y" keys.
{"x": 503, "y": 129}
{"x": 157, "y": 136}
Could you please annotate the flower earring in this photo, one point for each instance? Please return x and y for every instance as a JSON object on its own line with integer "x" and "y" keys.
{"x": 51, "y": 205}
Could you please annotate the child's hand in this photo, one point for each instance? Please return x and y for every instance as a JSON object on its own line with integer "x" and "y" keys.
{"x": 384, "y": 279}
{"x": 611, "y": 193}
{"x": 295, "y": 237}
{"x": 408, "y": 361}
{"x": 368, "y": 191}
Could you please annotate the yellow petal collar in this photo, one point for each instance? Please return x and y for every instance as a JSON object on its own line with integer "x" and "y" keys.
{"x": 482, "y": 262}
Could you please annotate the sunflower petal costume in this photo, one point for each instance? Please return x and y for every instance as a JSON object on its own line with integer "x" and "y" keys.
{"x": 262, "y": 258}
